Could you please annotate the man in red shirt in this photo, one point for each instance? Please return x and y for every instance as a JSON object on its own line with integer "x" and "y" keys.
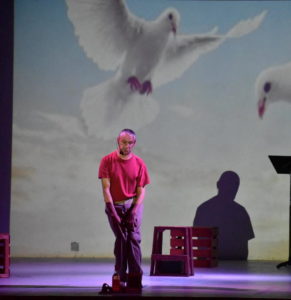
{"x": 124, "y": 176}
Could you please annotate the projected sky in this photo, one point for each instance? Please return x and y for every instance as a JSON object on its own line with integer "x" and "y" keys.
{"x": 190, "y": 130}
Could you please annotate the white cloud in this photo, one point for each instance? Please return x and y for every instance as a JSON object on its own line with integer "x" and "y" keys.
{"x": 69, "y": 125}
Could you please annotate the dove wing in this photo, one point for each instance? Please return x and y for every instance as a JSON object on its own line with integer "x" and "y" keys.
{"x": 181, "y": 52}
{"x": 105, "y": 28}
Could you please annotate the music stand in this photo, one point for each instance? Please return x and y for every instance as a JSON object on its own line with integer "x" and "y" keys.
{"x": 282, "y": 165}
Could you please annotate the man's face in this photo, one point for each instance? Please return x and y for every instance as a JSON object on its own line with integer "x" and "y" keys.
{"x": 126, "y": 142}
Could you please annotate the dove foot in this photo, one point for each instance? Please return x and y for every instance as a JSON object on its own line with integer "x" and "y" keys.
{"x": 146, "y": 88}
{"x": 134, "y": 83}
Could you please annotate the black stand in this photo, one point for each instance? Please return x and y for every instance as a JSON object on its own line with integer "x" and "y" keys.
{"x": 282, "y": 165}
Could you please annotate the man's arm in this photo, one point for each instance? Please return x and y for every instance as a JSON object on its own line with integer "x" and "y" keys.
{"x": 106, "y": 190}
{"x": 130, "y": 219}
{"x": 140, "y": 194}
{"x": 108, "y": 199}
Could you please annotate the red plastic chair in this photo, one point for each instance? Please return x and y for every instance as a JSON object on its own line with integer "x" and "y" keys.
{"x": 205, "y": 246}
{"x": 180, "y": 260}
{"x": 4, "y": 255}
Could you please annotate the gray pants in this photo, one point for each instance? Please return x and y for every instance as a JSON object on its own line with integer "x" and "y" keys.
{"x": 127, "y": 249}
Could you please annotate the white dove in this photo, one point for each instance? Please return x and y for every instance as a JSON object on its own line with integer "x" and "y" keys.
{"x": 143, "y": 54}
{"x": 272, "y": 85}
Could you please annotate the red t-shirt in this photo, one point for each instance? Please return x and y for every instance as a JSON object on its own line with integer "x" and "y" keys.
{"x": 125, "y": 175}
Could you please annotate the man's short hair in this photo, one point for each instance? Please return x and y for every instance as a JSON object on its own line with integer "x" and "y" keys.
{"x": 128, "y": 131}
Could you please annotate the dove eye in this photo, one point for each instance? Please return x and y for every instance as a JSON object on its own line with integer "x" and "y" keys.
{"x": 267, "y": 87}
{"x": 170, "y": 16}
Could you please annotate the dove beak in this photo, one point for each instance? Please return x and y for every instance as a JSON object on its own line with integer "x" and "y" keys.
{"x": 261, "y": 107}
{"x": 174, "y": 28}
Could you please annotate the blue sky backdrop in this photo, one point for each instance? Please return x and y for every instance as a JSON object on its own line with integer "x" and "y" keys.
{"x": 207, "y": 123}
{"x": 51, "y": 70}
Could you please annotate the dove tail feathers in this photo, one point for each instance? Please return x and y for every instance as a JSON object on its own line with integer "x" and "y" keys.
{"x": 111, "y": 106}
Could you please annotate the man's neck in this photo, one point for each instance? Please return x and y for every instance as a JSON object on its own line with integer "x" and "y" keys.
{"x": 124, "y": 157}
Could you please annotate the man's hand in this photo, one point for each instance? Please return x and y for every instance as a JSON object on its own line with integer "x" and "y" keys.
{"x": 112, "y": 211}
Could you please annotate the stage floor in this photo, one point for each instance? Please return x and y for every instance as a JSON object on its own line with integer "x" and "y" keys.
{"x": 75, "y": 277}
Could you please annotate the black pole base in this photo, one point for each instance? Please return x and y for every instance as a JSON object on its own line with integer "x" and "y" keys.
{"x": 284, "y": 264}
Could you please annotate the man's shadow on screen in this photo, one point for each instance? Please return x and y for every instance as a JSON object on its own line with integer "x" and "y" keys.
{"x": 231, "y": 218}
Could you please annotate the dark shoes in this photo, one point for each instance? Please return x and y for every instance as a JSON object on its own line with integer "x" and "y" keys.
{"x": 106, "y": 289}
{"x": 132, "y": 286}
{"x": 134, "y": 283}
